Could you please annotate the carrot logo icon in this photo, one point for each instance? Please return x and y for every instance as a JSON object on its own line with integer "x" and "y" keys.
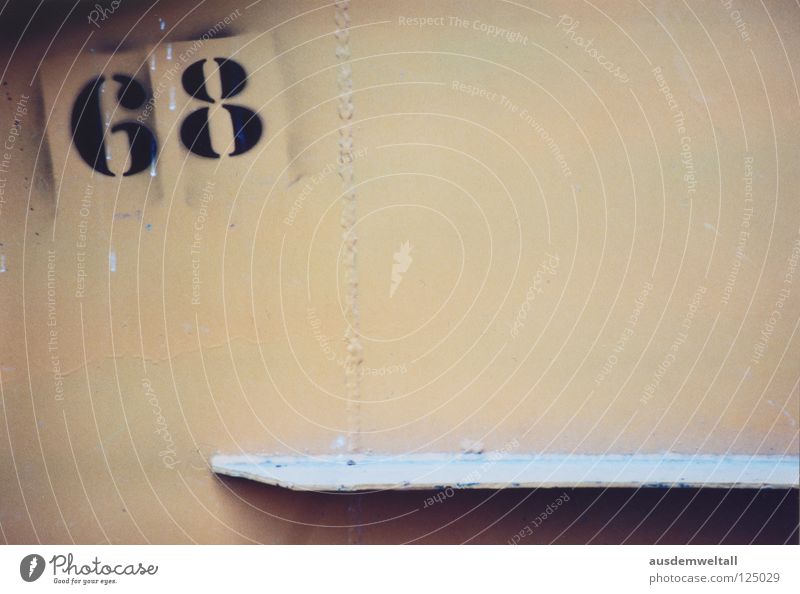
{"x": 31, "y": 567}
{"x": 402, "y": 261}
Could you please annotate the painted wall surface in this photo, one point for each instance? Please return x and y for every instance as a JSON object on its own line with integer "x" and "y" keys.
{"x": 577, "y": 232}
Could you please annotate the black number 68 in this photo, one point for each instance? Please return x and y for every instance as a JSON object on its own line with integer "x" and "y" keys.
{"x": 88, "y": 129}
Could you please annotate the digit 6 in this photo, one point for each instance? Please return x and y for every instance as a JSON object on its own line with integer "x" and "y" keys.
{"x": 88, "y": 132}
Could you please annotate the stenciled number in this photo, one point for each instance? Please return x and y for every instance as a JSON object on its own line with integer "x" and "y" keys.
{"x": 195, "y": 133}
{"x": 88, "y": 131}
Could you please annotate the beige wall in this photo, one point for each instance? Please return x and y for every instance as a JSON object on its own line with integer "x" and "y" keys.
{"x": 527, "y": 263}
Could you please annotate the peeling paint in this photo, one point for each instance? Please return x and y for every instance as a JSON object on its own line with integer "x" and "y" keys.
{"x": 359, "y": 472}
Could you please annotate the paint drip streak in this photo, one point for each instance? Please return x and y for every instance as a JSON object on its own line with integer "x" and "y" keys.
{"x": 353, "y": 358}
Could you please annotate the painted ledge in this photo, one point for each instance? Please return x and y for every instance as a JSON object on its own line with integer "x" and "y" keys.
{"x": 497, "y": 471}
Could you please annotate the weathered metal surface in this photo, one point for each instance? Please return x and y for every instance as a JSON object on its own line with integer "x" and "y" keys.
{"x": 555, "y": 256}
